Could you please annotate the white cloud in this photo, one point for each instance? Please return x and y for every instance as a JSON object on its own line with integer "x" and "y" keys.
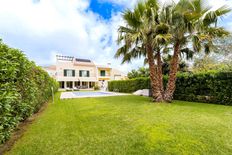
{"x": 218, "y": 3}
{"x": 131, "y": 3}
{"x": 66, "y": 27}
{"x": 124, "y": 3}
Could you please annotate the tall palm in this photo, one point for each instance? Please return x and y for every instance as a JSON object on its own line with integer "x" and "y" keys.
{"x": 190, "y": 22}
{"x": 140, "y": 38}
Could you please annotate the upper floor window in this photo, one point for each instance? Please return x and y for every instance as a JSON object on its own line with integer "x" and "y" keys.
{"x": 103, "y": 73}
{"x": 84, "y": 73}
{"x": 69, "y": 73}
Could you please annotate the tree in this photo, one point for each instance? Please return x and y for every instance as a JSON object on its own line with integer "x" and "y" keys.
{"x": 223, "y": 45}
{"x": 141, "y": 72}
{"x": 144, "y": 71}
{"x": 140, "y": 37}
{"x": 152, "y": 29}
{"x": 204, "y": 64}
{"x": 190, "y": 22}
{"x": 220, "y": 60}
{"x": 133, "y": 74}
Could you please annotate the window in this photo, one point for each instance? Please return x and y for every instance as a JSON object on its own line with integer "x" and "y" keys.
{"x": 69, "y": 84}
{"x": 61, "y": 84}
{"x": 103, "y": 73}
{"x": 69, "y": 73}
{"x": 84, "y": 73}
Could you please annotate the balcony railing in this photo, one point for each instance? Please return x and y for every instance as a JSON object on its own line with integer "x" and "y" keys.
{"x": 76, "y": 78}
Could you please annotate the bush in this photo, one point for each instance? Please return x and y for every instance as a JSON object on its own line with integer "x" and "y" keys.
{"x": 129, "y": 86}
{"x": 211, "y": 87}
{"x": 24, "y": 87}
{"x": 96, "y": 87}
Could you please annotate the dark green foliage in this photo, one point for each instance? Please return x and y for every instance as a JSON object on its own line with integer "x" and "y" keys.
{"x": 141, "y": 72}
{"x": 129, "y": 86}
{"x": 24, "y": 87}
{"x": 96, "y": 87}
{"x": 211, "y": 87}
{"x": 183, "y": 67}
{"x": 144, "y": 72}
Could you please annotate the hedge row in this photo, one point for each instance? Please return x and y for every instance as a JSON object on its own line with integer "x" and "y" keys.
{"x": 214, "y": 87}
{"x": 129, "y": 86}
{"x": 24, "y": 87}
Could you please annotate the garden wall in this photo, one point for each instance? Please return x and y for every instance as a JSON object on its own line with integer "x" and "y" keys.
{"x": 24, "y": 88}
{"x": 214, "y": 87}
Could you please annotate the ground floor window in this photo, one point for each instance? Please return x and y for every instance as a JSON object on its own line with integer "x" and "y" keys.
{"x": 91, "y": 84}
{"x": 69, "y": 84}
{"x": 84, "y": 85}
{"x": 77, "y": 84}
{"x": 61, "y": 84}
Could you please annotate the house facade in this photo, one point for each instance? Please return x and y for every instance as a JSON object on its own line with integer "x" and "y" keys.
{"x": 73, "y": 72}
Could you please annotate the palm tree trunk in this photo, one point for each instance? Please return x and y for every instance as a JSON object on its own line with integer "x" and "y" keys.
{"x": 168, "y": 96}
{"x": 160, "y": 73}
{"x": 156, "y": 94}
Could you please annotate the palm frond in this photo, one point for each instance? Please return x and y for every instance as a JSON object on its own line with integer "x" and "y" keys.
{"x": 121, "y": 51}
{"x": 211, "y": 17}
{"x": 187, "y": 52}
{"x": 153, "y": 4}
{"x": 217, "y": 32}
{"x": 207, "y": 48}
{"x": 161, "y": 39}
{"x": 133, "y": 53}
{"x": 196, "y": 43}
{"x": 131, "y": 19}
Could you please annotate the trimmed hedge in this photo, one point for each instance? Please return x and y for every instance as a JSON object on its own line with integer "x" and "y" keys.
{"x": 24, "y": 88}
{"x": 129, "y": 86}
{"x": 212, "y": 87}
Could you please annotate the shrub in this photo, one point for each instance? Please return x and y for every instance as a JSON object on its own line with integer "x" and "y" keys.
{"x": 96, "y": 87}
{"x": 211, "y": 87}
{"x": 24, "y": 87}
{"x": 128, "y": 86}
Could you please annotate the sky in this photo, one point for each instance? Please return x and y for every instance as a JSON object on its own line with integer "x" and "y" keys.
{"x": 80, "y": 28}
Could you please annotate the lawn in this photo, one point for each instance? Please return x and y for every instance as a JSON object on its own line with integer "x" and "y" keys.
{"x": 128, "y": 125}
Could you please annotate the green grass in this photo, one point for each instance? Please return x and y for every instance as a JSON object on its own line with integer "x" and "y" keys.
{"x": 128, "y": 125}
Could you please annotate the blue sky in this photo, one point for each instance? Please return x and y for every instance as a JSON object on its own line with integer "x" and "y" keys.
{"x": 104, "y": 8}
{"x": 80, "y": 28}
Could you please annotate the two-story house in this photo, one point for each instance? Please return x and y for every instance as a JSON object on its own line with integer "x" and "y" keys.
{"x": 72, "y": 72}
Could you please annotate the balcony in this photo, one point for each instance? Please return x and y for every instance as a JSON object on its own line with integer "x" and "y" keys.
{"x": 107, "y": 77}
{"x": 76, "y": 78}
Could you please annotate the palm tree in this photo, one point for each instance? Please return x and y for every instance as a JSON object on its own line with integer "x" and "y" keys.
{"x": 150, "y": 30}
{"x": 140, "y": 37}
{"x": 191, "y": 23}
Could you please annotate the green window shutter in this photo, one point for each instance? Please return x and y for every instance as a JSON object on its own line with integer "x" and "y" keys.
{"x": 80, "y": 73}
{"x": 65, "y": 72}
{"x": 87, "y": 73}
{"x": 73, "y": 73}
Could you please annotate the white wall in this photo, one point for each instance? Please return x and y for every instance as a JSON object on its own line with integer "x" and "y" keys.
{"x": 60, "y": 66}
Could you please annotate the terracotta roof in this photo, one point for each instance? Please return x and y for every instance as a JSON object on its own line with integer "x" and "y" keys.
{"x": 52, "y": 67}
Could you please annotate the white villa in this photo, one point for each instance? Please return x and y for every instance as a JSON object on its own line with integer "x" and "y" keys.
{"x": 72, "y": 72}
